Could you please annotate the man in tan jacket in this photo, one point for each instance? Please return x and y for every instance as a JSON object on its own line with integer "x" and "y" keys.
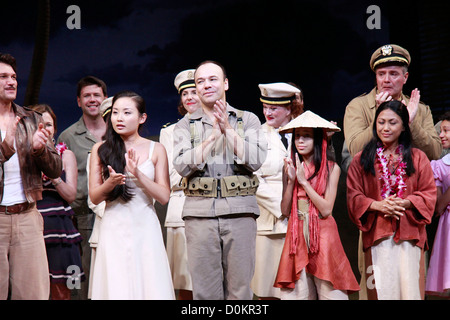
{"x": 390, "y": 64}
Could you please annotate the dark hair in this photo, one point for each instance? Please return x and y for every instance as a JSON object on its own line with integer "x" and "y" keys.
{"x": 216, "y": 63}
{"x": 318, "y": 136}
{"x": 89, "y": 81}
{"x": 42, "y": 108}
{"x": 369, "y": 152}
{"x": 8, "y": 59}
{"x": 181, "y": 109}
{"x": 112, "y": 151}
{"x": 445, "y": 116}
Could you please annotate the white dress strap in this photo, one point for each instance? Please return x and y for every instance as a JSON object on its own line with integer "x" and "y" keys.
{"x": 150, "y": 149}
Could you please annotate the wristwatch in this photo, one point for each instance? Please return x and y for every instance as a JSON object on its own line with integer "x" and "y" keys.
{"x": 58, "y": 181}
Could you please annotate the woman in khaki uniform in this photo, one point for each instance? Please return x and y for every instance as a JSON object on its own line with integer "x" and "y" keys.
{"x": 282, "y": 102}
{"x": 176, "y": 238}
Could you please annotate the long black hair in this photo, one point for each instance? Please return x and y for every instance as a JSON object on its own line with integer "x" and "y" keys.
{"x": 318, "y": 137}
{"x": 112, "y": 151}
{"x": 370, "y": 150}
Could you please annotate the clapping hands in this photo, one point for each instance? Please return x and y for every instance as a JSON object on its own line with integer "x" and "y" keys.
{"x": 115, "y": 178}
{"x": 40, "y": 137}
{"x": 11, "y": 132}
{"x": 221, "y": 115}
{"x": 412, "y": 106}
{"x": 294, "y": 172}
{"x": 132, "y": 160}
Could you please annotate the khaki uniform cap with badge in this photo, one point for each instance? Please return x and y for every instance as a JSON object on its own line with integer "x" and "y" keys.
{"x": 390, "y": 53}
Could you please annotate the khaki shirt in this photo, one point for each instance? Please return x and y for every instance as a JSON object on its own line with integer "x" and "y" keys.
{"x": 177, "y": 197}
{"x": 221, "y": 163}
{"x": 270, "y": 188}
{"x": 358, "y": 122}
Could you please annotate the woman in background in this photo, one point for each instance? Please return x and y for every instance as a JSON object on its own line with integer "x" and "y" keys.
{"x": 62, "y": 239}
{"x": 438, "y": 276}
{"x": 176, "y": 237}
{"x": 281, "y": 103}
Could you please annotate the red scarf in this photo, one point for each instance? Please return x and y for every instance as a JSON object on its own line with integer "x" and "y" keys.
{"x": 319, "y": 184}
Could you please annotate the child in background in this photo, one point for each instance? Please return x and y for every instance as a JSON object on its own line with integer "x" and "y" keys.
{"x": 438, "y": 277}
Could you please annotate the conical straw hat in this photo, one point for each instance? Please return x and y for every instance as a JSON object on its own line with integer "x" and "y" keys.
{"x": 309, "y": 119}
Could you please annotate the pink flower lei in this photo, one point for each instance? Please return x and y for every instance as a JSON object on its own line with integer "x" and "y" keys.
{"x": 395, "y": 179}
{"x": 61, "y": 147}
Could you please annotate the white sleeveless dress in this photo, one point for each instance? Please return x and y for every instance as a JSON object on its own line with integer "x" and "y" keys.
{"x": 131, "y": 260}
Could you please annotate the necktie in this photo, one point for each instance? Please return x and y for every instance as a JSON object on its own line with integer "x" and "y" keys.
{"x": 284, "y": 140}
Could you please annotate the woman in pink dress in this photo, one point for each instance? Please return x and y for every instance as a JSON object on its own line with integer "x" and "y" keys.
{"x": 438, "y": 277}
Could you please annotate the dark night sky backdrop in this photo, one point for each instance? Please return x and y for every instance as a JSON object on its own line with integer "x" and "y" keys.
{"x": 141, "y": 45}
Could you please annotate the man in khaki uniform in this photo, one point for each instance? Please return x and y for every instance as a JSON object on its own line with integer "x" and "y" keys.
{"x": 390, "y": 64}
{"x": 217, "y": 148}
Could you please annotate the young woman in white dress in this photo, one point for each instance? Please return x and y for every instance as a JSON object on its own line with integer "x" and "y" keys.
{"x": 129, "y": 172}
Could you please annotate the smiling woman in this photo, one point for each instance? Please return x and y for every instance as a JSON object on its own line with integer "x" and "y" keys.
{"x": 389, "y": 127}
{"x": 280, "y": 105}
{"x": 391, "y": 196}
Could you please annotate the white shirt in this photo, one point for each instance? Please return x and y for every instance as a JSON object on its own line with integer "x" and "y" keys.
{"x": 12, "y": 181}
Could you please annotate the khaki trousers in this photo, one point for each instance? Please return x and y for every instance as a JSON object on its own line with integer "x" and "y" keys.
{"x": 221, "y": 257}
{"x": 23, "y": 257}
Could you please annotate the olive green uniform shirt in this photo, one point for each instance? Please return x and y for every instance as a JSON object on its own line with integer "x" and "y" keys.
{"x": 221, "y": 163}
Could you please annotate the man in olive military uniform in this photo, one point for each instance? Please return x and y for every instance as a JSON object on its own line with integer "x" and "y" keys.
{"x": 217, "y": 148}
{"x": 80, "y": 137}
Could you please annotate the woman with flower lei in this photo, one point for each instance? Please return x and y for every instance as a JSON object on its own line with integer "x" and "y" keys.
{"x": 391, "y": 197}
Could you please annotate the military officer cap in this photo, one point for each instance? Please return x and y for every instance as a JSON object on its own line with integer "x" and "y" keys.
{"x": 390, "y": 53}
{"x": 185, "y": 79}
{"x": 277, "y": 93}
{"x": 105, "y": 107}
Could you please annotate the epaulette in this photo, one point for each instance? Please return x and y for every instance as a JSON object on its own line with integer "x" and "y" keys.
{"x": 166, "y": 125}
